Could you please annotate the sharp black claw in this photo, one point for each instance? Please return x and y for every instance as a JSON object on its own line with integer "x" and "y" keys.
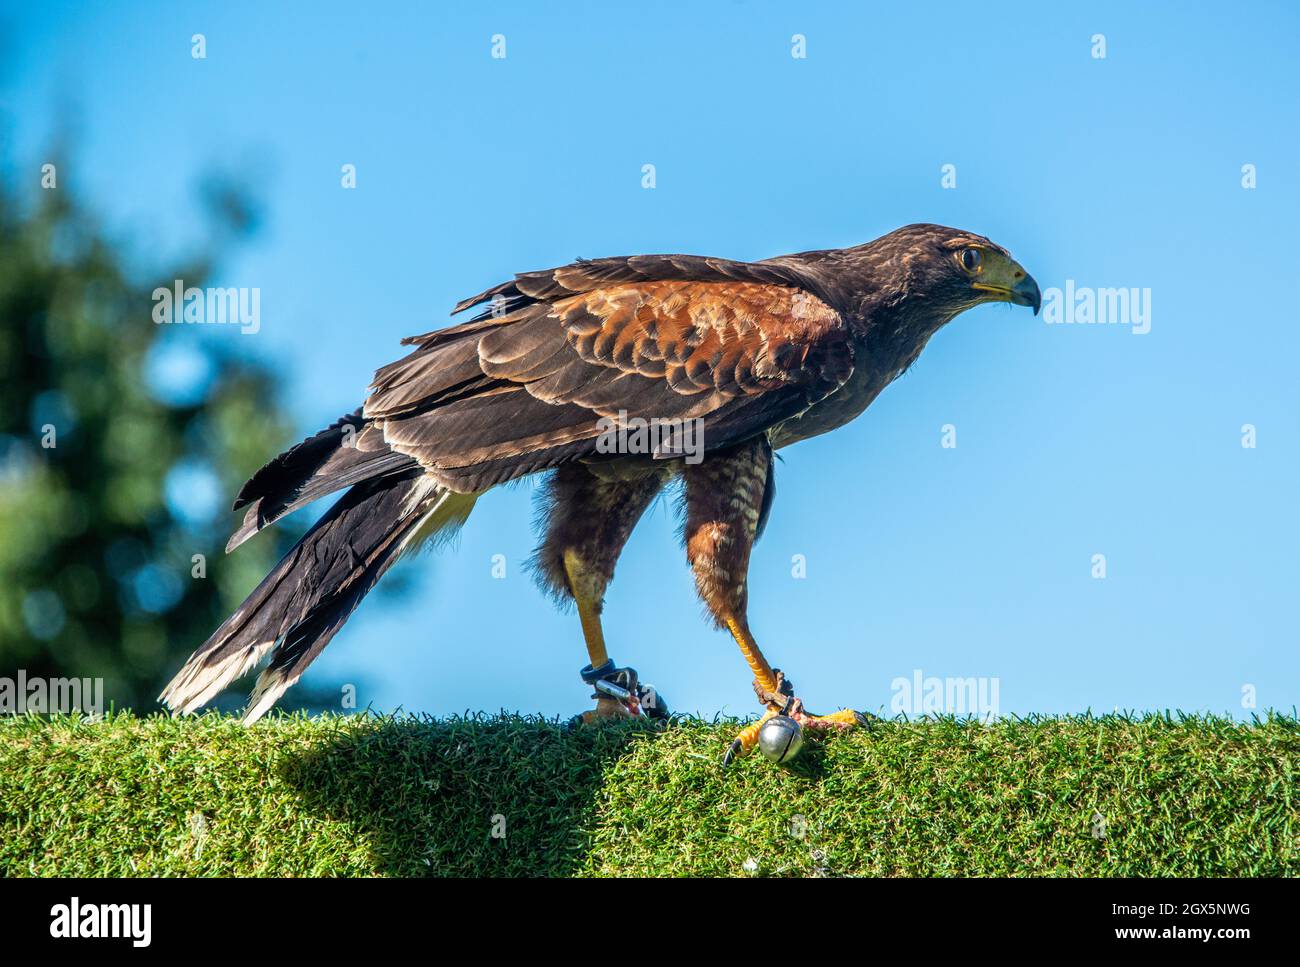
{"x": 732, "y": 753}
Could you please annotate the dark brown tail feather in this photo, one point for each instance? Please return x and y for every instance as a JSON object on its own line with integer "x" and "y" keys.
{"x": 339, "y": 456}
{"x": 308, "y": 596}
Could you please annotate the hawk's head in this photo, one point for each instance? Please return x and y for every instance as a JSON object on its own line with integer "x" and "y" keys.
{"x": 943, "y": 271}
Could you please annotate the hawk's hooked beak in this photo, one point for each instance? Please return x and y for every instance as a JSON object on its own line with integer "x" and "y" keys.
{"x": 1006, "y": 281}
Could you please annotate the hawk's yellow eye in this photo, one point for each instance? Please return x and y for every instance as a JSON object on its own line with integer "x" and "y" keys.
{"x": 971, "y": 259}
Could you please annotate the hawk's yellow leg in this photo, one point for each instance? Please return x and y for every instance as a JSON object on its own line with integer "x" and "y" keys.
{"x": 592, "y": 633}
{"x": 763, "y": 673}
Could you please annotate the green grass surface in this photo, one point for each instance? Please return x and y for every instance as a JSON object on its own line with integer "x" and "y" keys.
{"x": 411, "y": 797}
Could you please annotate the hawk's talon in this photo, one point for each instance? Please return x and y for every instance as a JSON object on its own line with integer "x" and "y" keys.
{"x": 783, "y": 701}
{"x": 745, "y": 739}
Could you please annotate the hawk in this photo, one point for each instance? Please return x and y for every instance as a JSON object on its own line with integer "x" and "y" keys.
{"x": 560, "y": 373}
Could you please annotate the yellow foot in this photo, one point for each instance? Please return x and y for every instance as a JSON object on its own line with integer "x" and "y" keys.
{"x": 845, "y": 718}
{"x": 782, "y": 741}
{"x": 746, "y": 739}
{"x": 606, "y": 709}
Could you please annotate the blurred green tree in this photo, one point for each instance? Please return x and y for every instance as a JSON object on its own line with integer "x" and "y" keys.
{"x": 121, "y": 443}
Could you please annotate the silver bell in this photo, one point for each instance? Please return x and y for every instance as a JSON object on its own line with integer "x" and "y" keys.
{"x": 780, "y": 738}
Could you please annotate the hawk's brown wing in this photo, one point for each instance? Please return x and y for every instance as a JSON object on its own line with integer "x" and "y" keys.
{"x": 523, "y": 390}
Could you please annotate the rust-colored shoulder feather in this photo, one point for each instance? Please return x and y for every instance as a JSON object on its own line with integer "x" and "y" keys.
{"x": 526, "y": 387}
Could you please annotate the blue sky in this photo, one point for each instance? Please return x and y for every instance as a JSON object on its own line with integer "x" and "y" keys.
{"x": 1072, "y": 440}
